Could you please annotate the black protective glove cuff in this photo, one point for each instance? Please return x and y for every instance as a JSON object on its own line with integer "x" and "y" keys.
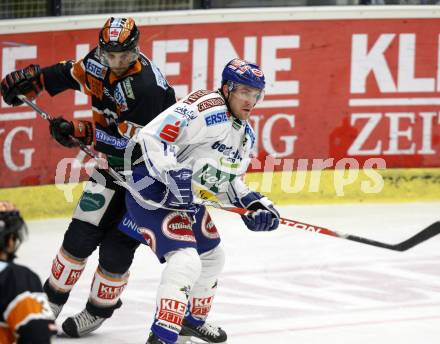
{"x": 62, "y": 130}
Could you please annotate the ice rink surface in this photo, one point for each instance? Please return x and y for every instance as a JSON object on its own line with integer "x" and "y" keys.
{"x": 289, "y": 286}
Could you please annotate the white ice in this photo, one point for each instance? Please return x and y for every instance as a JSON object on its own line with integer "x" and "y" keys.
{"x": 289, "y": 286}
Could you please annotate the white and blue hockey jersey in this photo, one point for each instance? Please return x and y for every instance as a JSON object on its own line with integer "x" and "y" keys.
{"x": 199, "y": 133}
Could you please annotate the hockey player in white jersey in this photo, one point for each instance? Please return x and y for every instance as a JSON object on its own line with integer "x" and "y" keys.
{"x": 198, "y": 148}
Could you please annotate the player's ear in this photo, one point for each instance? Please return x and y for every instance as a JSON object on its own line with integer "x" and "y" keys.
{"x": 10, "y": 245}
{"x": 225, "y": 90}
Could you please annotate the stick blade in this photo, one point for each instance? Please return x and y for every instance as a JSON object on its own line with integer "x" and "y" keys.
{"x": 420, "y": 237}
{"x": 427, "y": 233}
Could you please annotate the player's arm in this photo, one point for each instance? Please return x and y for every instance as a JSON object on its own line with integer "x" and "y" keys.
{"x": 36, "y": 331}
{"x": 146, "y": 98}
{"x": 28, "y": 313}
{"x": 264, "y": 216}
{"x": 32, "y": 80}
{"x": 58, "y": 78}
{"x": 144, "y": 103}
{"x": 162, "y": 140}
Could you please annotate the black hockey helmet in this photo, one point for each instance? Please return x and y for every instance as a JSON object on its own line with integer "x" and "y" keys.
{"x": 11, "y": 225}
{"x": 119, "y": 34}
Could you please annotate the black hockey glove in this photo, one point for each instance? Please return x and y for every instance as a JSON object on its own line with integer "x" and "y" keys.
{"x": 63, "y": 131}
{"x": 27, "y": 81}
{"x": 264, "y": 216}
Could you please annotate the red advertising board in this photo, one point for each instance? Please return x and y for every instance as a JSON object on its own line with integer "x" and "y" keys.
{"x": 335, "y": 88}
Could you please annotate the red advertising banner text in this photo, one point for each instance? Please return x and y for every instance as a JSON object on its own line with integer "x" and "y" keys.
{"x": 335, "y": 88}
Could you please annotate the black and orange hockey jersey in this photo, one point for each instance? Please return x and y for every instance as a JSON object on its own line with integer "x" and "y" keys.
{"x": 25, "y": 314}
{"x": 120, "y": 105}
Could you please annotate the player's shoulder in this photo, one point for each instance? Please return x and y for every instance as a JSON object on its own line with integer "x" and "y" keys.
{"x": 208, "y": 106}
{"x": 202, "y": 111}
{"x": 151, "y": 74}
{"x": 21, "y": 277}
{"x": 93, "y": 65}
{"x": 212, "y": 109}
{"x": 204, "y": 100}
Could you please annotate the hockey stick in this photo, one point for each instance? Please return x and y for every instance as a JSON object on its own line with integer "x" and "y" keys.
{"x": 416, "y": 239}
{"x": 118, "y": 178}
{"x": 425, "y": 234}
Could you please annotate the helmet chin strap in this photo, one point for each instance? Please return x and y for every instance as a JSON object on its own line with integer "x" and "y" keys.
{"x": 10, "y": 256}
{"x": 227, "y": 102}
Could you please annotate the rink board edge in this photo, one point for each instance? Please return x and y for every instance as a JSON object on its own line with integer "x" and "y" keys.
{"x": 306, "y": 187}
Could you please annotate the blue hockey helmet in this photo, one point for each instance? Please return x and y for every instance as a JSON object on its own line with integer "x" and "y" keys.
{"x": 243, "y": 72}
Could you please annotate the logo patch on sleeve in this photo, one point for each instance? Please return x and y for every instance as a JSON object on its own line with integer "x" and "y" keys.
{"x": 215, "y": 118}
{"x": 170, "y": 129}
{"x": 178, "y": 226}
{"x": 210, "y": 103}
{"x": 96, "y": 69}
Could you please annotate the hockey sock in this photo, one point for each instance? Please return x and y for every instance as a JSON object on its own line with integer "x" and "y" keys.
{"x": 203, "y": 292}
{"x": 66, "y": 270}
{"x": 182, "y": 271}
{"x": 106, "y": 290}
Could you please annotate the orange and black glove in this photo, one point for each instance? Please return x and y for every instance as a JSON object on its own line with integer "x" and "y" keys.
{"x": 63, "y": 130}
{"x": 27, "y": 81}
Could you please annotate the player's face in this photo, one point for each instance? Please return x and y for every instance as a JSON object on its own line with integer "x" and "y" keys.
{"x": 242, "y": 99}
{"x": 119, "y": 62}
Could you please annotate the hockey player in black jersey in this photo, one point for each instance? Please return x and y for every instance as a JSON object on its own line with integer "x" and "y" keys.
{"x": 127, "y": 92}
{"x": 25, "y": 314}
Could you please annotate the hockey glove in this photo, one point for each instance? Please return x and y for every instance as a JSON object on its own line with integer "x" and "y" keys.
{"x": 63, "y": 131}
{"x": 27, "y": 81}
{"x": 264, "y": 216}
{"x": 179, "y": 194}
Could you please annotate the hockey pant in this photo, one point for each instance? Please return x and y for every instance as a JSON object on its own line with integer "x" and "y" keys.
{"x": 194, "y": 261}
{"x": 94, "y": 224}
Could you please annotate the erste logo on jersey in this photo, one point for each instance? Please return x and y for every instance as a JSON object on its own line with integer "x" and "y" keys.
{"x": 170, "y": 129}
{"x": 96, "y": 69}
{"x": 215, "y": 118}
{"x": 120, "y": 98}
